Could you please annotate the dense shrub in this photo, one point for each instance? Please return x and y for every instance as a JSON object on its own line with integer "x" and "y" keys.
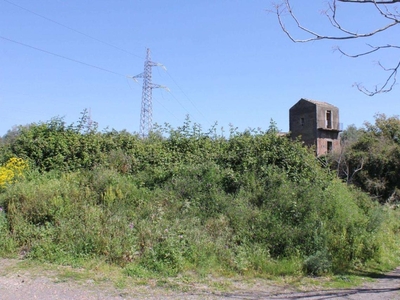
{"x": 370, "y": 158}
{"x": 188, "y": 200}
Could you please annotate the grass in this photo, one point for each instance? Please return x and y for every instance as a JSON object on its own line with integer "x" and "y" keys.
{"x": 103, "y": 276}
{"x": 252, "y": 207}
{"x": 326, "y": 282}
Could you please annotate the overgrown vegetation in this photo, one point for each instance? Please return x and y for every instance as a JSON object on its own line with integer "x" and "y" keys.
{"x": 370, "y": 158}
{"x": 254, "y": 203}
{"x": 11, "y": 171}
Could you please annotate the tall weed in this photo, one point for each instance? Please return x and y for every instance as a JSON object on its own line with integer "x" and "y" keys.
{"x": 255, "y": 203}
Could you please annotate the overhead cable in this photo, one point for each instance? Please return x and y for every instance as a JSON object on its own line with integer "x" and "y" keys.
{"x": 70, "y": 28}
{"x": 61, "y": 56}
{"x": 187, "y": 96}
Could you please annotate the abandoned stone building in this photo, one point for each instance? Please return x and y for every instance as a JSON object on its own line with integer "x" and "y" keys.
{"x": 317, "y": 124}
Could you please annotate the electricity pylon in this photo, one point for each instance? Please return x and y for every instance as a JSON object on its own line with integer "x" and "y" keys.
{"x": 146, "y": 112}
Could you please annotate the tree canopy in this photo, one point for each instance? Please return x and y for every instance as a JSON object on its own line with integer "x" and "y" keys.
{"x": 370, "y": 158}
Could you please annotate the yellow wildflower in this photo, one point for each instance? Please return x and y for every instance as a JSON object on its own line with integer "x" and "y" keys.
{"x": 12, "y": 170}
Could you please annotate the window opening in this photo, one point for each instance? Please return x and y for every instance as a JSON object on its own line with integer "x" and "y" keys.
{"x": 302, "y": 121}
{"x": 329, "y": 146}
{"x": 328, "y": 120}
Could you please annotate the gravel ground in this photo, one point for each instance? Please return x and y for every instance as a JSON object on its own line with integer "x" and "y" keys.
{"x": 25, "y": 284}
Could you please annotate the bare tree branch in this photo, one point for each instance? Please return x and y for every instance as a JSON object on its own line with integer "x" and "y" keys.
{"x": 371, "y": 1}
{"x": 349, "y": 176}
{"x": 374, "y": 49}
{"x": 388, "y": 14}
{"x": 391, "y": 14}
{"x": 286, "y": 7}
{"x": 386, "y": 87}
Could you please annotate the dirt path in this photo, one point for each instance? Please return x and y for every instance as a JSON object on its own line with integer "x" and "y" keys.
{"x": 27, "y": 284}
{"x": 386, "y": 287}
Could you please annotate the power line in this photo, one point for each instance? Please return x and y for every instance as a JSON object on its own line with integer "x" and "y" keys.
{"x": 180, "y": 103}
{"x": 146, "y": 112}
{"x": 159, "y": 102}
{"x": 187, "y": 96}
{"x": 90, "y": 65}
{"x": 72, "y": 29}
{"x": 100, "y": 41}
{"x": 62, "y": 56}
{"x": 166, "y": 109}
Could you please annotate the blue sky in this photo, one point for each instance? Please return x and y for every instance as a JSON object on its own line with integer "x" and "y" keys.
{"x": 228, "y": 62}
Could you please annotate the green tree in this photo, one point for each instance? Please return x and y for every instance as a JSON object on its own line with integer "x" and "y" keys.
{"x": 375, "y": 154}
{"x": 344, "y": 162}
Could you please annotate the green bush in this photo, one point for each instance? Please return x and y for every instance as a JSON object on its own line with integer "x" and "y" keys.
{"x": 7, "y": 243}
{"x": 318, "y": 263}
{"x": 255, "y": 203}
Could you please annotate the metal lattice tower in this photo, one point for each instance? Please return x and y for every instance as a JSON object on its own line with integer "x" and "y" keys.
{"x": 146, "y": 112}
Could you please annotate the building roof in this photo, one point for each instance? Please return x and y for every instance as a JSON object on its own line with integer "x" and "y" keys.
{"x": 318, "y": 102}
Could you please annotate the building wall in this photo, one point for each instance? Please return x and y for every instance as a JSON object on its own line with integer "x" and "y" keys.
{"x": 302, "y": 122}
{"x": 322, "y": 146}
{"x": 322, "y": 110}
{"x": 328, "y": 129}
{"x": 317, "y": 123}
